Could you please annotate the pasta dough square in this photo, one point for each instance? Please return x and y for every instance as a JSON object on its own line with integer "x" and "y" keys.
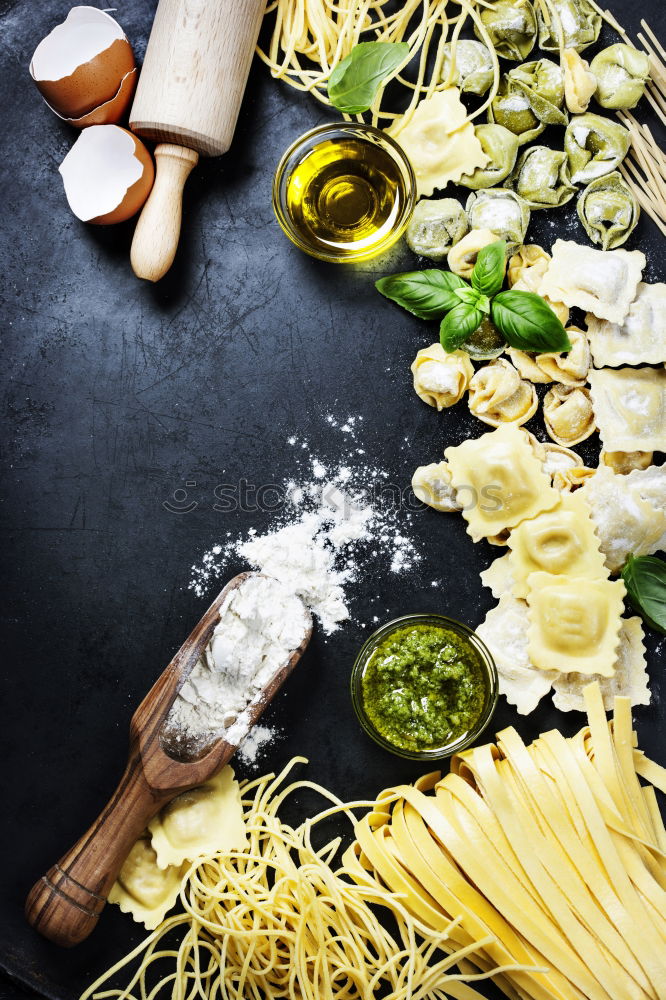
{"x": 145, "y": 890}
{"x": 630, "y": 679}
{"x": 440, "y": 142}
{"x": 498, "y": 576}
{"x": 499, "y": 481}
{"x": 557, "y": 541}
{"x": 639, "y": 339}
{"x": 602, "y": 282}
{"x": 574, "y": 623}
{"x": 630, "y": 408}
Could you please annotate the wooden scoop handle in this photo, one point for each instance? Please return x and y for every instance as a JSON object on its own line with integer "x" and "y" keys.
{"x": 158, "y": 229}
{"x": 65, "y": 904}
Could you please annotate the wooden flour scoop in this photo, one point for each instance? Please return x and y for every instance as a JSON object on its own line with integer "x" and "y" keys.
{"x": 188, "y": 98}
{"x": 66, "y": 903}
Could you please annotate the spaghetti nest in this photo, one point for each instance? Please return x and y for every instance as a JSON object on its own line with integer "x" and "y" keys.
{"x": 276, "y": 920}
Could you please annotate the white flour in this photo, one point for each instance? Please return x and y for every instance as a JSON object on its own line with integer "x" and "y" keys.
{"x": 255, "y": 744}
{"x": 261, "y": 624}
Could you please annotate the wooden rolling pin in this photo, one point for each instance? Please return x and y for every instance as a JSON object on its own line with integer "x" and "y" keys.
{"x": 188, "y": 98}
{"x": 66, "y": 903}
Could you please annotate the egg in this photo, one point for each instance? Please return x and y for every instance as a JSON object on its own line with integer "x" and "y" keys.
{"x": 108, "y": 174}
{"x": 85, "y": 69}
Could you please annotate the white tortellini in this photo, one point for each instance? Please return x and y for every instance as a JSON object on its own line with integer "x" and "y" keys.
{"x": 567, "y": 480}
{"x": 542, "y": 83}
{"x": 432, "y": 485}
{"x": 568, "y": 414}
{"x": 498, "y": 395}
{"x": 527, "y": 366}
{"x": 608, "y": 210}
{"x": 471, "y": 69}
{"x": 512, "y": 109}
{"x": 436, "y": 225}
{"x": 462, "y": 256}
{"x": 573, "y": 23}
{"x": 500, "y": 210}
{"x": 570, "y": 368}
{"x": 512, "y": 27}
{"x": 595, "y": 146}
{"x": 622, "y": 73}
{"x": 501, "y": 147}
{"x": 579, "y": 82}
{"x": 526, "y": 269}
{"x": 440, "y": 379}
{"x": 624, "y": 462}
{"x": 541, "y": 178}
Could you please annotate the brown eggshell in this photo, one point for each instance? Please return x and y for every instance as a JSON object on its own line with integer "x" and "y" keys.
{"x": 92, "y": 84}
{"x": 137, "y": 194}
{"x": 113, "y": 110}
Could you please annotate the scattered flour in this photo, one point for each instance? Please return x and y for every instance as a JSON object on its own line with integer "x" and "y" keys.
{"x": 256, "y": 743}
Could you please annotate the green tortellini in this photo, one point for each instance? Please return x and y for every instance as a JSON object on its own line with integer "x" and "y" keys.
{"x": 578, "y": 20}
{"x": 622, "y": 74}
{"x": 595, "y": 146}
{"x": 473, "y": 72}
{"x": 501, "y": 211}
{"x": 542, "y": 83}
{"x": 541, "y": 178}
{"x": 511, "y": 108}
{"x": 512, "y": 27}
{"x": 435, "y": 226}
{"x": 608, "y": 210}
{"x": 501, "y": 146}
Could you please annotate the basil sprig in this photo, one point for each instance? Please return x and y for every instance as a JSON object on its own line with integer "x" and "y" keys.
{"x": 524, "y": 319}
{"x": 645, "y": 580}
{"x": 353, "y": 84}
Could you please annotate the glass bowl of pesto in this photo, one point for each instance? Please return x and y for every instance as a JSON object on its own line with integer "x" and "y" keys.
{"x": 344, "y": 192}
{"x": 424, "y": 686}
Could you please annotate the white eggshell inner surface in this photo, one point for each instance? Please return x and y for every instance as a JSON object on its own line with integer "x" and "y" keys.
{"x": 85, "y": 32}
{"x": 98, "y": 171}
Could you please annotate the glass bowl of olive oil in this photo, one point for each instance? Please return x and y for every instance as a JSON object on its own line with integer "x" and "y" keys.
{"x": 424, "y": 686}
{"x": 344, "y": 192}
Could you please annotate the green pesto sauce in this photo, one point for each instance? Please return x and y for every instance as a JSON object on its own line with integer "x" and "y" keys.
{"x": 423, "y": 687}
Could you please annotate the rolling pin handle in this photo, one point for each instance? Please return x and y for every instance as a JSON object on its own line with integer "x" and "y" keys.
{"x": 64, "y": 905}
{"x": 158, "y": 229}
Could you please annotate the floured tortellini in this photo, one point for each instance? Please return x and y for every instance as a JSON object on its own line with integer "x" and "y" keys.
{"x": 462, "y": 256}
{"x": 512, "y": 27}
{"x": 501, "y": 211}
{"x": 608, "y": 210}
{"x": 542, "y": 83}
{"x": 541, "y": 178}
{"x": 471, "y": 69}
{"x": 566, "y": 480}
{"x": 501, "y": 148}
{"x": 498, "y": 395}
{"x": 574, "y": 24}
{"x": 526, "y": 269}
{"x": 527, "y": 366}
{"x": 570, "y": 368}
{"x": 622, "y": 73}
{"x": 595, "y": 146}
{"x": 568, "y": 414}
{"x": 432, "y": 485}
{"x": 143, "y": 889}
{"x": 624, "y": 462}
{"x": 440, "y": 379}
{"x": 579, "y": 82}
{"x": 512, "y": 109}
{"x": 435, "y": 226}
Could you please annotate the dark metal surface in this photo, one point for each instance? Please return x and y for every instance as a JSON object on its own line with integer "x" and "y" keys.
{"x": 116, "y": 394}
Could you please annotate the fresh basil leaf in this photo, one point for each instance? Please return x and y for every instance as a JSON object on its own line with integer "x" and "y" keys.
{"x": 645, "y": 580}
{"x": 354, "y": 82}
{"x": 458, "y": 325}
{"x": 427, "y": 294}
{"x": 468, "y": 295}
{"x": 528, "y": 323}
{"x": 488, "y": 273}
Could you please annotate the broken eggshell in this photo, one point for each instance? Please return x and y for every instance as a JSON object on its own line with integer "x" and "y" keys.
{"x": 108, "y": 174}
{"x": 85, "y": 69}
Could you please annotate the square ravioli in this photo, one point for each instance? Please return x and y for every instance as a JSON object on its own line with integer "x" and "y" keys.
{"x": 639, "y": 339}
{"x": 602, "y": 282}
{"x": 499, "y": 481}
{"x": 630, "y": 408}
{"x": 574, "y": 623}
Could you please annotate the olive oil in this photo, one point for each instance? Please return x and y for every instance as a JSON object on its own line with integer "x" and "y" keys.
{"x": 348, "y": 196}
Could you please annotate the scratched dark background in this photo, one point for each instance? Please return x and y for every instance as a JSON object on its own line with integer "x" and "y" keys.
{"x": 115, "y": 395}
